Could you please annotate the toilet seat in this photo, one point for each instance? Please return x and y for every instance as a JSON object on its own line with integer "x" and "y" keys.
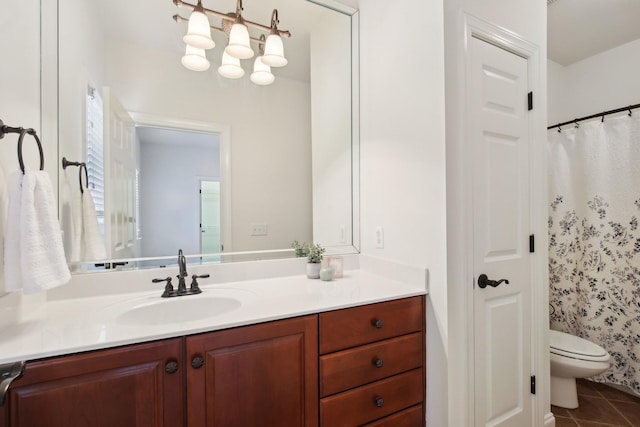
{"x": 567, "y": 345}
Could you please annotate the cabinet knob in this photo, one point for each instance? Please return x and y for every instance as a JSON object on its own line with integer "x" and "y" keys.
{"x": 197, "y": 362}
{"x": 377, "y": 323}
{"x": 171, "y": 367}
{"x": 379, "y": 402}
{"x": 378, "y": 363}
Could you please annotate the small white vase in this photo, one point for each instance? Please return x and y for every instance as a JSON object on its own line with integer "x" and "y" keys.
{"x": 313, "y": 270}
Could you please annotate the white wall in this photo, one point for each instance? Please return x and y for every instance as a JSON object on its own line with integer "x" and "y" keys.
{"x": 602, "y": 82}
{"x": 527, "y": 19}
{"x": 20, "y": 95}
{"x": 403, "y": 157}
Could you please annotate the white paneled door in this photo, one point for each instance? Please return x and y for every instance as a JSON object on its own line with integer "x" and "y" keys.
{"x": 499, "y": 142}
{"x": 120, "y": 179}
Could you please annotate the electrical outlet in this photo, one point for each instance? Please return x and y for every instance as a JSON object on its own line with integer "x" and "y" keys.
{"x": 259, "y": 229}
{"x": 379, "y": 237}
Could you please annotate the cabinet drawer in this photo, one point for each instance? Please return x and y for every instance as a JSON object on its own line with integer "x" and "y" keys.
{"x": 351, "y": 327}
{"x": 361, "y": 365}
{"x": 412, "y": 417}
{"x": 372, "y": 402}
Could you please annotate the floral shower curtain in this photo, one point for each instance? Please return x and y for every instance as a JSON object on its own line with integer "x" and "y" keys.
{"x": 594, "y": 254}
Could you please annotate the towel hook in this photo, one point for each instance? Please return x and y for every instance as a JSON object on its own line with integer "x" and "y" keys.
{"x": 35, "y": 136}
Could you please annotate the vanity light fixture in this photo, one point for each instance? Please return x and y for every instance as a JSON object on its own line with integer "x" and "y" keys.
{"x": 239, "y": 45}
{"x": 195, "y": 59}
{"x": 230, "y": 67}
{"x": 262, "y": 74}
{"x": 198, "y": 32}
{"x": 274, "y": 49}
{"x": 198, "y": 38}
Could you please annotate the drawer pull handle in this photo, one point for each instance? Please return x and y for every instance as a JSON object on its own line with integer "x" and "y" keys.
{"x": 379, "y": 402}
{"x": 171, "y": 367}
{"x": 197, "y": 362}
{"x": 378, "y": 363}
{"x": 377, "y": 323}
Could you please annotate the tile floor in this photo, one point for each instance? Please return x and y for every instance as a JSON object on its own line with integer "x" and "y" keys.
{"x": 600, "y": 406}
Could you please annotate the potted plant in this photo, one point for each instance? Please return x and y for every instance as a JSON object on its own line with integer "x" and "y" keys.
{"x": 314, "y": 259}
{"x": 302, "y": 249}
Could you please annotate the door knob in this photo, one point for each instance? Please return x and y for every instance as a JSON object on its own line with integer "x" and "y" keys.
{"x": 484, "y": 281}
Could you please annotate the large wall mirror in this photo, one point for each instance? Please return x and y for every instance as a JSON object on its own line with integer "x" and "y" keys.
{"x": 223, "y": 169}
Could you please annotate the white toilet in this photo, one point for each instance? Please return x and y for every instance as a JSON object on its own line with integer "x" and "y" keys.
{"x": 573, "y": 357}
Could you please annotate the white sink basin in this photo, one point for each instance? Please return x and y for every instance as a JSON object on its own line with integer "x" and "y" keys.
{"x": 160, "y": 311}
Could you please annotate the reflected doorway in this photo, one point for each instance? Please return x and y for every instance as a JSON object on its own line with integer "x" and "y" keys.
{"x": 174, "y": 163}
{"x": 210, "y": 238}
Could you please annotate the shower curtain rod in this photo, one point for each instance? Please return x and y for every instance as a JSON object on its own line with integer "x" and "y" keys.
{"x": 593, "y": 116}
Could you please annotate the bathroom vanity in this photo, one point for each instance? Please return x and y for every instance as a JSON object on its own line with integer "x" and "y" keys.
{"x": 358, "y": 363}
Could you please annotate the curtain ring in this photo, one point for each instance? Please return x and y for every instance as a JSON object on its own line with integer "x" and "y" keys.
{"x": 20, "y": 159}
{"x": 86, "y": 176}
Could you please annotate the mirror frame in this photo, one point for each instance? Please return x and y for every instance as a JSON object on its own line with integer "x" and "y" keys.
{"x": 50, "y": 131}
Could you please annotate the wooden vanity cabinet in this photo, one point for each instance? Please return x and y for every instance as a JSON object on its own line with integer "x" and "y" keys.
{"x": 139, "y": 385}
{"x": 352, "y": 367}
{"x": 254, "y": 376}
{"x": 372, "y": 365}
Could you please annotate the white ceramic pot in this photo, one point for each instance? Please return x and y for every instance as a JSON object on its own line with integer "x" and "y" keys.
{"x": 313, "y": 270}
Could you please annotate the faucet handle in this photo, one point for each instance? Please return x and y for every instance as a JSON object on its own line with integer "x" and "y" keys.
{"x": 194, "y": 288}
{"x": 168, "y": 289}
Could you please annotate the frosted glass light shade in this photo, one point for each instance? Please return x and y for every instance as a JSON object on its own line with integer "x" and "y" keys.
{"x": 239, "y": 44}
{"x": 274, "y": 52}
{"x": 195, "y": 59}
{"x": 199, "y": 33}
{"x": 261, "y": 73}
{"x": 230, "y": 67}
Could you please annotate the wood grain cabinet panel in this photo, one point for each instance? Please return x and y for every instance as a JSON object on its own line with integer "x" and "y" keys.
{"x": 255, "y": 376}
{"x": 372, "y": 365}
{"x": 351, "y": 327}
{"x": 361, "y": 365}
{"x": 128, "y": 386}
{"x": 373, "y": 401}
{"x": 411, "y": 417}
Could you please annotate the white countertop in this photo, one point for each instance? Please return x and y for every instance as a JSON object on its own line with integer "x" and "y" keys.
{"x": 69, "y": 325}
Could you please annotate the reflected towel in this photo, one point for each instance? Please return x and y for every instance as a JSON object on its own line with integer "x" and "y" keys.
{"x": 92, "y": 244}
{"x": 33, "y": 253}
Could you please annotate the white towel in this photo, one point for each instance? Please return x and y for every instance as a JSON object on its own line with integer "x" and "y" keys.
{"x": 33, "y": 252}
{"x": 92, "y": 244}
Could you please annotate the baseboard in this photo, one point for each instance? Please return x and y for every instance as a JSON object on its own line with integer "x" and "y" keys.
{"x": 549, "y": 420}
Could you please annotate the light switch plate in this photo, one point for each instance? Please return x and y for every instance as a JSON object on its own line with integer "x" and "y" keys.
{"x": 379, "y": 237}
{"x": 260, "y": 229}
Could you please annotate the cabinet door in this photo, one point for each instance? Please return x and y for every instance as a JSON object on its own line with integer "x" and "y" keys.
{"x": 139, "y": 385}
{"x": 262, "y": 375}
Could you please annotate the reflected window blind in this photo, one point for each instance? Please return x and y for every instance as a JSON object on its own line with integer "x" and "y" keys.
{"x": 95, "y": 153}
